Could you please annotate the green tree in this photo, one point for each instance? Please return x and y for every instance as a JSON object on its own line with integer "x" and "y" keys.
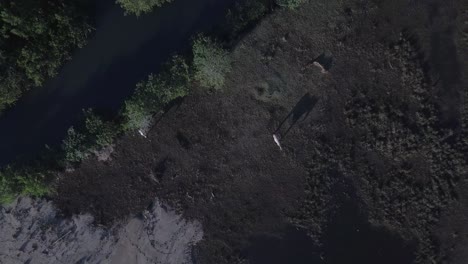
{"x": 33, "y": 185}
{"x": 138, "y": 7}
{"x": 7, "y": 193}
{"x": 94, "y": 135}
{"x": 36, "y": 37}
{"x": 152, "y": 95}
{"x": 74, "y": 146}
{"x": 25, "y": 182}
{"x": 136, "y": 115}
{"x": 100, "y": 133}
{"x": 211, "y": 62}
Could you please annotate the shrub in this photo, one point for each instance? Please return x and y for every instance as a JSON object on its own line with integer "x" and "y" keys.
{"x": 99, "y": 132}
{"x": 291, "y": 4}
{"x": 136, "y": 115}
{"x": 33, "y": 185}
{"x": 152, "y": 95}
{"x": 211, "y": 62}
{"x": 7, "y": 194}
{"x": 138, "y": 7}
{"x": 21, "y": 182}
{"x": 95, "y": 135}
{"x": 74, "y": 146}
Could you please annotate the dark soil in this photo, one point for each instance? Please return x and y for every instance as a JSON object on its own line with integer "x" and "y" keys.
{"x": 373, "y": 167}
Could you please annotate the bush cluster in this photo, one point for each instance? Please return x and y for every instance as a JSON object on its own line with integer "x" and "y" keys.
{"x": 153, "y": 94}
{"x": 93, "y": 136}
{"x": 211, "y": 62}
{"x": 22, "y": 182}
{"x": 139, "y": 7}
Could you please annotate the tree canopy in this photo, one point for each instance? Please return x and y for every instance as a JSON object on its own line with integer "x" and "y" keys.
{"x": 23, "y": 181}
{"x": 36, "y": 37}
{"x": 139, "y": 7}
{"x": 153, "y": 94}
{"x": 93, "y": 135}
{"x": 211, "y": 62}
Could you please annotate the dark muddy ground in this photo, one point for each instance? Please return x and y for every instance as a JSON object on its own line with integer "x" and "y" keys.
{"x": 373, "y": 166}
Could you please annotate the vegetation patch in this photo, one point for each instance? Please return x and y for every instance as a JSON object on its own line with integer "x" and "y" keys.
{"x": 153, "y": 94}
{"x": 211, "y": 62}
{"x": 25, "y": 182}
{"x": 93, "y": 136}
{"x": 139, "y": 7}
{"x": 36, "y": 37}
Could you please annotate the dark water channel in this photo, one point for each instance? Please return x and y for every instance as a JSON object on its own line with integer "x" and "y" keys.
{"x": 123, "y": 51}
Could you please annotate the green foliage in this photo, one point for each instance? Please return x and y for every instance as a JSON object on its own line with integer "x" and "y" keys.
{"x": 152, "y": 95}
{"x": 136, "y": 115}
{"x": 211, "y": 62}
{"x": 291, "y": 4}
{"x": 33, "y": 185}
{"x": 7, "y": 194}
{"x": 100, "y": 133}
{"x": 138, "y": 7}
{"x": 36, "y": 37}
{"x": 74, "y": 146}
{"x": 21, "y": 182}
{"x": 95, "y": 135}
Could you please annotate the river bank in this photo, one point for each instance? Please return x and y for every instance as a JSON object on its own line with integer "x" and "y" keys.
{"x": 103, "y": 74}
